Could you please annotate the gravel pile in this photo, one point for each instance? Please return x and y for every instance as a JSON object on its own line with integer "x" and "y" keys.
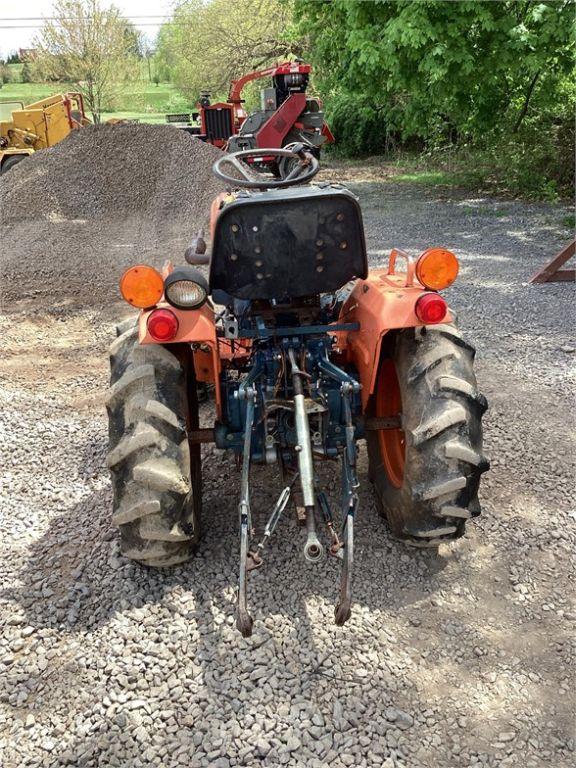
{"x": 103, "y": 171}
{"x": 113, "y": 195}
{"x": 458, "y": 660}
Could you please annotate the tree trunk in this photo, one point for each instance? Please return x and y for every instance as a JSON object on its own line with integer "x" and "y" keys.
{"x": 524, "y": 109}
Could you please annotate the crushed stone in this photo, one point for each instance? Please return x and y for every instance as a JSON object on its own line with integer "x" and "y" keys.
{"x": 100, "y": 171}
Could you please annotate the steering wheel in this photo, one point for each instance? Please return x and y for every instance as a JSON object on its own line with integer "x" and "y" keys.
{"x": 305, "y": 168}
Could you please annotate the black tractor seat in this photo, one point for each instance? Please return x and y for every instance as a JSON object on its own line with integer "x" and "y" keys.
{"x": 284, "y": 243}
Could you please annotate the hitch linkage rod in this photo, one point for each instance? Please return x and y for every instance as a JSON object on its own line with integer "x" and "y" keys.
{"x": 343, "y": 611}
{"x": 255, "y": 556}
{"x": 244, "y": 621}
{"x": 348, "y": 387}
{"x": 313, "y": 549}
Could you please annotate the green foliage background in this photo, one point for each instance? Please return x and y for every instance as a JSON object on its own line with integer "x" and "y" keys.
{"x": 207, "y": 44}
{"x": 492, "y": 79}
{"x": 478, "y": 91}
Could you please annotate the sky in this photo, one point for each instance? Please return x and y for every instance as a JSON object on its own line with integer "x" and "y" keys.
{"x": 16, "y": 15}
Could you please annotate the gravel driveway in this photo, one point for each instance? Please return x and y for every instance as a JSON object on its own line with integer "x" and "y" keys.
{"x": 458, "y": 659}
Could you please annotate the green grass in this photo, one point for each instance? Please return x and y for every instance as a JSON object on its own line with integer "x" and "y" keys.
{"x": 140, "y": 100}
{"x": 31, "y": 92}
{"x": 501, "y": 170}
{"x": 141, "y": 117}
{"x": 16, "y": 70}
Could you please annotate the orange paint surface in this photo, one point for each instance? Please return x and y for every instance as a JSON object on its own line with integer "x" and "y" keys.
{"x": 194, "y": 327}
{"x": 379, "y": 304}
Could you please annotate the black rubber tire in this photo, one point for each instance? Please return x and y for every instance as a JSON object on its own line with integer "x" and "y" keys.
{"x": 10, "y": 162}
{"x": 286, "y": 164}
{"x": 441, "y": 419}
{"x": 156, "y": 473}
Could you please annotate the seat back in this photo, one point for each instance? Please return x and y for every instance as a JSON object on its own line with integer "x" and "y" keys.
{"x": 288, "y": 243}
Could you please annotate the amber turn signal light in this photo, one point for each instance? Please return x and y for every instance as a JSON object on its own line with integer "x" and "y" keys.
{"x": 437, "y": 268}
{"x": 142, "y": 286}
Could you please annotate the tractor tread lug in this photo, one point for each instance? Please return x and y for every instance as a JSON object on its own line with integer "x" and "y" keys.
{"x": 157, "y": 528}
{"x": 453, "y": 511}
{"x": 452, "y": 333}
{"x": 130, "y": 379}
{"x": 450, "y": 417}
{"x": 154, "y": 551}
{"x": 432, "y": 533}
{"x": 426, "y": 543}
{"x": 158, "y": 410}
{"x": 127, "y": 324}
{"x": 144, "y": 408}
{"x": 458, "y": 450}
{"x": 143, "y": 436}
{"x": 156, "y": 355}
{"x": 428, "y": 363}
{"x": 168, "y": 560}
{"x": 129, "y": 513}
{"x": 444, "y": 488}
{"x": 161, "y": 474}
{"x": 121, "y": 340}
{"x": 453, "y": 384}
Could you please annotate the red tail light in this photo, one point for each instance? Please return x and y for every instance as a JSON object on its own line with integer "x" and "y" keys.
{"x": 430, "y": 308}
{"x": 162, "y": 325}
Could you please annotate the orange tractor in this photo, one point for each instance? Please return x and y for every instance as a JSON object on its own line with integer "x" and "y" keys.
{"x": 308, "y": 353}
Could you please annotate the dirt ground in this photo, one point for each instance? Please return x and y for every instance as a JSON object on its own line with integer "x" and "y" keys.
{"x": 464, "y": 658}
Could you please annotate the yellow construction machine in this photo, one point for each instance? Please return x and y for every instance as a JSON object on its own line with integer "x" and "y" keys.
{"x": 25, "y": 129}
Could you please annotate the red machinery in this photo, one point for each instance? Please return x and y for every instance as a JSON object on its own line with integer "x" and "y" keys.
{"x": 286, "y": 115}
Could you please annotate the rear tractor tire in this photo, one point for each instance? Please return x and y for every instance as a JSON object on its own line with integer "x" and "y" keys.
{"x": 156, "y": 475}
{"x": 427, "y": 472}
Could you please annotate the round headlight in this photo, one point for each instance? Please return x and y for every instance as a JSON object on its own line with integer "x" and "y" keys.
{"x": 186, "y": 288}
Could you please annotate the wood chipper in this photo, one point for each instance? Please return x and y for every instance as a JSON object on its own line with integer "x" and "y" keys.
{"x": 309, "y": 354}
{"x": 25, "y": 129}
{"x": 287, "y": 114}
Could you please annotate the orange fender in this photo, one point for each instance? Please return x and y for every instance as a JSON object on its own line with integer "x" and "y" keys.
{"x": 195, "y": 327}
{"x": 384, "y": 301}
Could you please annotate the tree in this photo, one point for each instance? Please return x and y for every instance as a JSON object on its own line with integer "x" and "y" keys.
{"x": 441, "y": 70}
{"x": 88, "y": 45}
{"x": 27, "y": 73}
{"x": 135, "y": 41}
{"x": 207, "y": 44}
{"x": 148, "y": 52}
{"x": 5, "y": 73}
